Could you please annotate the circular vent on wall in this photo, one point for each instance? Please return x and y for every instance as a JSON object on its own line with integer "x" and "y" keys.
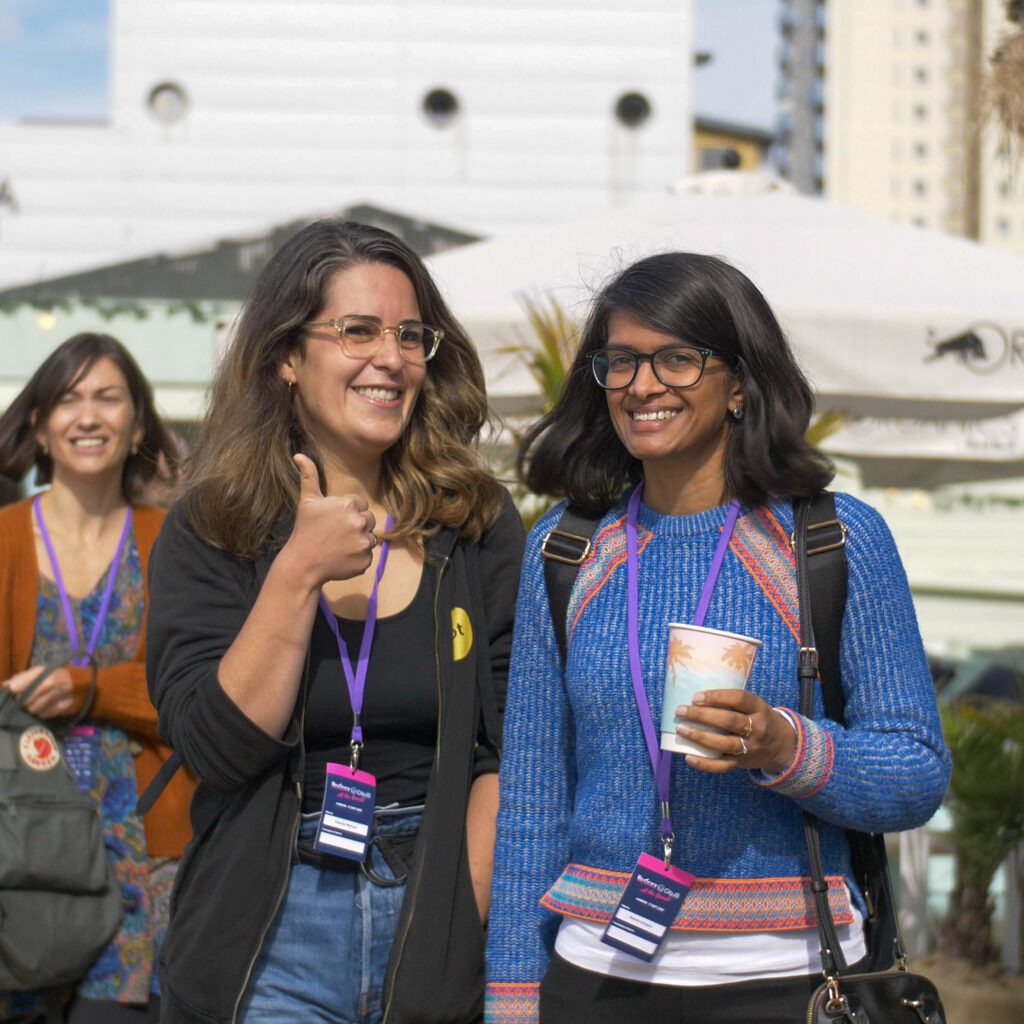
{"x": 633, "y": 109}
{"x": 167, "y": 102}
{"x": 440, "y": 106}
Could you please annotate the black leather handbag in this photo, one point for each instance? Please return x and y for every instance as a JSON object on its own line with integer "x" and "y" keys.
{"x": 887, "y": 993}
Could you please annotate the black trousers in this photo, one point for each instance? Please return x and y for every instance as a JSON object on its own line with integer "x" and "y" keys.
{"x": 572, "y": 995}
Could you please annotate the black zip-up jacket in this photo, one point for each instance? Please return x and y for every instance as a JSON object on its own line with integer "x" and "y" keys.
{"x": 245, "y": 813}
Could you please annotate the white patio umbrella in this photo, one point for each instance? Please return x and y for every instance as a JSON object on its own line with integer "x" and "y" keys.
{"x": 918, "y": 334}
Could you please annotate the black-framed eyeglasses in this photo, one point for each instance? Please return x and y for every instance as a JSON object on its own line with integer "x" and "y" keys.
{"x": 361, "y": 337}
{"x": 676, "y": 366}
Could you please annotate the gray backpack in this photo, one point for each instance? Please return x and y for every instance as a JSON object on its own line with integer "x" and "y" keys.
{"x": 60, "y": 904}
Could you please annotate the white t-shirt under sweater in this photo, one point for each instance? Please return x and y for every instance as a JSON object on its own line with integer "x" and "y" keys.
{"x": 708, "y": 958}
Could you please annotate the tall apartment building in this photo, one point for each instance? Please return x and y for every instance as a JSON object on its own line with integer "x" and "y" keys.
{"x": 801, "y": 134}
{"x": 892, "y": 90}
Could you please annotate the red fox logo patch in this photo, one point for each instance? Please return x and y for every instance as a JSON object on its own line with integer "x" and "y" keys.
{"x": 38, "y": 748}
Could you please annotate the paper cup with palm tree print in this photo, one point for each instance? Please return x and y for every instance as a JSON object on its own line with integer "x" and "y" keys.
{"x": 701, "y": 659}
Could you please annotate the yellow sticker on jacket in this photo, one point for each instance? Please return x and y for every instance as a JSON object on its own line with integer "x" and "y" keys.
{"x": 462, "y": 634}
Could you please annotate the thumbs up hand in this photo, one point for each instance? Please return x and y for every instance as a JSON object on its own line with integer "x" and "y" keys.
{"x": 333, "y": 537}
{"x": 309, "y": 479}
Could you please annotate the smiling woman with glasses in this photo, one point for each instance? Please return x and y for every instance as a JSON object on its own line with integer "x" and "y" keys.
{"x": 661, "y": 874}
{"x": 329, "y": 645}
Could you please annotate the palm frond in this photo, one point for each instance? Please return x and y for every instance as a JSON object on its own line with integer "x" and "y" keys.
{"x": 1004, "y": 90}
{"x": 549, "y": 353}
{"x": 826, "y": 424}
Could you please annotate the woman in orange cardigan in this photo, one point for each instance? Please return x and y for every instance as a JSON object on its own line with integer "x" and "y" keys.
{"x": 73, "y": 564}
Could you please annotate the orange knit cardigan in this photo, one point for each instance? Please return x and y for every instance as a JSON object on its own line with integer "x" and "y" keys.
{"x": 121, "y": 695}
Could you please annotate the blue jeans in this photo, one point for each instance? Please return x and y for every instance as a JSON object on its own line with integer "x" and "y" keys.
{"x": 324, "y": 958}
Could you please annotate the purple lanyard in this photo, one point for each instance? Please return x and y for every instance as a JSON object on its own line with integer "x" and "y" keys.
{"x": 356, "y": 678}
{"x": 661, "y": 760}
{"x": 69, "y": 618}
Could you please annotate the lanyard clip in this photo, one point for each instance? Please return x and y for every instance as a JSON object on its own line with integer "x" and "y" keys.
{"x": 356, "y": 743}
{"x": 668, "y": 837}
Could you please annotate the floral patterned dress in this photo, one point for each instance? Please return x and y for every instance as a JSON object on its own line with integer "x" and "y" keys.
{"x": 124, "y": 971}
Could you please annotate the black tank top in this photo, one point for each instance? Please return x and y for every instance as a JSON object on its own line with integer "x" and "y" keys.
{"x": 400, "y": 704}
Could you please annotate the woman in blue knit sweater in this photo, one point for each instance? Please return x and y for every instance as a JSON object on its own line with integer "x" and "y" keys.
{"x": 684, "y": 416}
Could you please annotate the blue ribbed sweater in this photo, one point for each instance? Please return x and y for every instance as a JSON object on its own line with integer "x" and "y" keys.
{"x": 578, "y": 802}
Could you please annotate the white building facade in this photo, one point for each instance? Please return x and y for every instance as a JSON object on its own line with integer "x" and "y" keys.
{"x": 228, "y": 115}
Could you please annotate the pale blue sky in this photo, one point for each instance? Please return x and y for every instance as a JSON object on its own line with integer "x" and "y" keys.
{"x": 739, "y": 83}
{"x": 54, "y": 59}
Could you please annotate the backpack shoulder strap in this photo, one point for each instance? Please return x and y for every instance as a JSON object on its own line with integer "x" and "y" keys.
{"x": 826, "y": 581}
{"x": 565, "y": 548}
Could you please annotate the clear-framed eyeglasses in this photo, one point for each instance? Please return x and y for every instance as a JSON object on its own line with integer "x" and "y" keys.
{"x": 361, "y": 337}
{"x": 676, "y": 366}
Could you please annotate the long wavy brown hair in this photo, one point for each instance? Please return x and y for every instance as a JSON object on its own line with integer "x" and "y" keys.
{"x": 243, "y": 484}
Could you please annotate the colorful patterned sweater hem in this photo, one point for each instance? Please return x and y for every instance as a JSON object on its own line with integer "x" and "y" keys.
{"x": 712, "y": 905}
{"x": 512, "y": 1003}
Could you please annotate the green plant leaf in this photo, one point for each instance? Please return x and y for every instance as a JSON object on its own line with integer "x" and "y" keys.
{"x": 826, "y": 424}
{"x": 986, "y": 791}
{"x": 549, "y": 354}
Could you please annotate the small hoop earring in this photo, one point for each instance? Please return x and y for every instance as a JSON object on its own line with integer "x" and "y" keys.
{"x": 135, "y": 449}
{"x": 44, "y": 448}
{"x": 737, "y": 413}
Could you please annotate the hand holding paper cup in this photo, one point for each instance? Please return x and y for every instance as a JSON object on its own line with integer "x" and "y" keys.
{"x": 701, "y": 659}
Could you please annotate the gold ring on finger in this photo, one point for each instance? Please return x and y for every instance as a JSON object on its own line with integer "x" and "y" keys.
{"x": 748, "y": 730}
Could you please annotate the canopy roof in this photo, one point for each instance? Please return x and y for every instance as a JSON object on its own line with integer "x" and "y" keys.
{"x": 895, "y": 324}
{"x": 874, "y": 309}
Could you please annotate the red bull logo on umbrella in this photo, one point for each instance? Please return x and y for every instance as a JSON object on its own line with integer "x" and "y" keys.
{"x": 985, "y": 347}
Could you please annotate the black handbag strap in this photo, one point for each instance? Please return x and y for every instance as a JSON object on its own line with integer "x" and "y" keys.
{"x": 565, "y": 548}
{"x": 819, "y": 541}
{"x": 827, "y": 582}
{"x": 832, "y": 959}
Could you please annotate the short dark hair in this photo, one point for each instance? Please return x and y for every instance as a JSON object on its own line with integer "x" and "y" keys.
{"x": 62, "y": 369}
{"x": 573, "y": 452}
